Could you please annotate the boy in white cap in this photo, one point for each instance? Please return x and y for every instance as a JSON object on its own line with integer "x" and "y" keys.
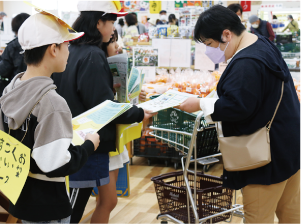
{"x": 32, "y": 112}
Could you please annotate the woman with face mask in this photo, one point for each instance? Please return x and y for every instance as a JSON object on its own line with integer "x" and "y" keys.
{"x": 292, "y": 25}
{"x": 261, "y": 27}
{"x": 247, "y": 95}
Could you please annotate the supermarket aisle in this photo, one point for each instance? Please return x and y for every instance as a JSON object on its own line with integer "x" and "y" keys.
{"x": 142, "y": 205}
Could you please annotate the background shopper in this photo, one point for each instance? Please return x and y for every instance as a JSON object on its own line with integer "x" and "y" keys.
{"x": 261, "y": 27}
{"x": 172, "y": 20}
{"x": 237, "y": 9}
{"x": 12, "y": 62}
{"x": 141, "y": 28}
{"x": 293, "y": 25}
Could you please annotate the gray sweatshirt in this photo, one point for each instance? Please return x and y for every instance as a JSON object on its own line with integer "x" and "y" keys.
{"x": 48, "y": 136}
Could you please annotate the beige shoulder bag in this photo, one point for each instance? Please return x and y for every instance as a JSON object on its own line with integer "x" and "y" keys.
{"x": 247, "y": 152}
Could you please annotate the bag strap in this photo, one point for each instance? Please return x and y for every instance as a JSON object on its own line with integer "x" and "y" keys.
{"x": 31, "y": 113}
{"x": 293, "y": 24}
{"x": 270, "y": 123}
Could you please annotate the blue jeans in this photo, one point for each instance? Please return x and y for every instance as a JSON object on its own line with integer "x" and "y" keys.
{"x": 61, "y": 221}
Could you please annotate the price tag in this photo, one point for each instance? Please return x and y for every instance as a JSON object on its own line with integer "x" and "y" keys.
{"x": 14, "y": 166}
{"x": 203, "y": 90}
{"x": 188, "y": 89}
{"x": 176, "y": 89}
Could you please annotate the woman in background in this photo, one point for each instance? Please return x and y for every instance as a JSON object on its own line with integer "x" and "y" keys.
{"x": 119, "y": 26}
{"x": 131, "y": 29}
{"x": 173, "y": 20}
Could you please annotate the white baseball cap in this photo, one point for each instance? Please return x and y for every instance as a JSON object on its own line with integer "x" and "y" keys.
{"x": 39, "y": 30}
{"x": 44, "y": 28}
{"x": 112, "y": 7}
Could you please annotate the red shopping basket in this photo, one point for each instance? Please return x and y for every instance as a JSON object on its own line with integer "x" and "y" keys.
{"x": 211, "y": 197}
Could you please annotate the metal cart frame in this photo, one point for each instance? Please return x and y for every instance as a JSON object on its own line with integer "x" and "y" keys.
{"x": 191, "y": 198}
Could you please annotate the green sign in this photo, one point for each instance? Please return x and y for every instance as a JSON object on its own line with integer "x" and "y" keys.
{"x": 180, "y": 4}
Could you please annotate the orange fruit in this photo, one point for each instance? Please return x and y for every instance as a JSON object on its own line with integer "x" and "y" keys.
{"x": 196, "y": 92}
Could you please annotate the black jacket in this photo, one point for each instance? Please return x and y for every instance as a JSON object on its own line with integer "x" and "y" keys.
{"x": 12, "y": 63}
{"x": 249, "y": 91}
{"x": 87, "y": 82}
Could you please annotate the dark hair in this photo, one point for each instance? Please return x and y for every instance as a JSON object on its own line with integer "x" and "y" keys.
{"x": 35, "y": 56}
{"x": 87, "y": 22}
{"x": 121, "y": 22}
{"x": 214, "y": 21}
{"x": 290, "y": 16}
{"x": 133, "y": 13}
{"x": 171, "y": 17}
{"x": 162, "y": 11}
{"x": 235, "y": 8}
{"x": 130, "y": 19}
{"x": 18, "y": 20}
{"x": 275, "y": 17}
{"x": 114, "y": 38}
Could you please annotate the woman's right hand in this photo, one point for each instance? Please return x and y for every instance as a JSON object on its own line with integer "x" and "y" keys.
{"x": 148, "y": 114}
{"x": 192, "y": 104}
{"x": 93, "y": 138}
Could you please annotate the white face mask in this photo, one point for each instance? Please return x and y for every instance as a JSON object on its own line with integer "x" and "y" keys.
{"x": 255, "y": 26}
{"x": 163, "y": 17}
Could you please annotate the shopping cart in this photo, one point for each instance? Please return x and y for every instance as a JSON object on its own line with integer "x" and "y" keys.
{"x": 175, "y": 127}
{"x": 208, "y": 202}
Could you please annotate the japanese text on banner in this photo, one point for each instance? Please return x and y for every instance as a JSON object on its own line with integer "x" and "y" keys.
{"x": 14, "y": 166}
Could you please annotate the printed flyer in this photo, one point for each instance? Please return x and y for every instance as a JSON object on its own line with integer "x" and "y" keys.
{"x": 169, "y": 99}
{"x": 118, "y": 66}
{"x": 96, "y": 118}
{"x": 135, "y": 83}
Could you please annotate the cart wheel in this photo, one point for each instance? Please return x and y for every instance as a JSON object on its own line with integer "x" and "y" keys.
{"x": 206, "y": 168}
{"x": 166, "y": 163}
{"x": 148, "y": 162}
{"x": 176, "y": 166}
{"x": 164, "y": 222}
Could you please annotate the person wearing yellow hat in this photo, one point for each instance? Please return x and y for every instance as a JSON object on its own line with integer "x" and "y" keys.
{"x": 33, "y": 113}
{"x": 87, "y": 82}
